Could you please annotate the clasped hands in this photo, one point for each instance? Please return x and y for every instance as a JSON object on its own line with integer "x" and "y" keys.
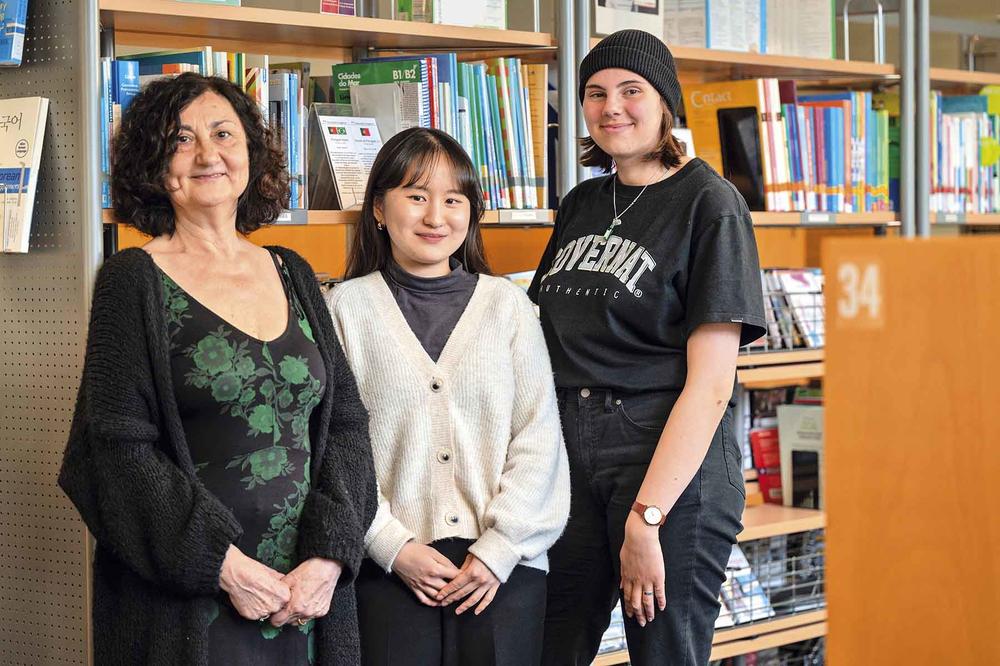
{"x": 437, "y": 582}
{"x": 258, "y": 592}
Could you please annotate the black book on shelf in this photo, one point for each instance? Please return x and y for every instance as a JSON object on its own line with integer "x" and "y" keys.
{"x": 740, "y": 142}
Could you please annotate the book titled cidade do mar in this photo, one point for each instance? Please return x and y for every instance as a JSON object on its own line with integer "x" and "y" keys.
{"x": 22, "y": 127}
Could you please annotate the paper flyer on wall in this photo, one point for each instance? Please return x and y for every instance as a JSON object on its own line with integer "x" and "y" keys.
{"x": 348, "y": 146}
{"x": 22, "y": 128}
{"x": 613, "y": 15}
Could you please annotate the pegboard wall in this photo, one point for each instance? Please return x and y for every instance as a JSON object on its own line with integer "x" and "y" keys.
{"x": 44, "y": 296}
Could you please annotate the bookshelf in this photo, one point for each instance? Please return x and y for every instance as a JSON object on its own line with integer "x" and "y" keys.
{"x": 760, "y": 522}
{"x": 291, "y": 33}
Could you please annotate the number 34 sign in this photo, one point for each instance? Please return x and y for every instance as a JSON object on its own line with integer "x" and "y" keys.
{"x": 858, "y": 295}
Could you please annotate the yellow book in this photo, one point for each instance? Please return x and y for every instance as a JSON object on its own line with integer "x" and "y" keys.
{"x": 703, "y": 102}
{"x": 537, "y": 78}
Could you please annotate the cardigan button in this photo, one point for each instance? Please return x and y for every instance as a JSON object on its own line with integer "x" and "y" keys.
{"x": 436, "y": 384}
{"x": 444, "y": 456}
{"x": 452, "y": 518}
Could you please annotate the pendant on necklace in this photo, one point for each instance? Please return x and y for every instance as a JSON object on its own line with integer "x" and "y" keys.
{"x": 614, "y": 223}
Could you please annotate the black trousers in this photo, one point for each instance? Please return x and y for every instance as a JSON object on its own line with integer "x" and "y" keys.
{"x": 610, "y": 440}
{"x": 397, "y": 630}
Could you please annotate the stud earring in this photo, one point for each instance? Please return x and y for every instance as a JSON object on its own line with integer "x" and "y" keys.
{"x": 380, "y": 227}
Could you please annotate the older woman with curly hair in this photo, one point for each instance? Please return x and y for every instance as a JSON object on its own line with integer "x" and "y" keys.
{"x": 219, "y": 451}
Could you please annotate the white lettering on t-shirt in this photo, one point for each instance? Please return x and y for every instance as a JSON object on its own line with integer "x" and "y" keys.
{"x": 581, "y": 247}
{"x": 588, "y": 260}
{"x": 626, "y": 260}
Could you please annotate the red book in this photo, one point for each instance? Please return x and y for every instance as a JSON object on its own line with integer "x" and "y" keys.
{"x": 770, "y": 486}
{"x": 764, "y": 448}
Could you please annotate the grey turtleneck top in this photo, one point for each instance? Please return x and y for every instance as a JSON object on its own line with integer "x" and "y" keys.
{"x": 431, "y": 306}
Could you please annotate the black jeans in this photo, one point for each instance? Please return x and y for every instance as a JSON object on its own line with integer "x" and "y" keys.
{"x": 610, "y": 439}
{"x": 398, "y": 630}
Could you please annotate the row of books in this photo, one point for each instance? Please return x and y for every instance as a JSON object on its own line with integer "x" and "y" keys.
{"x": 496, "y": 109}
{"x": 780, "y": 431}
{"x": 965, "y": 160}
{"x": 793, "y": 309}
{"x": 790, "y": 152}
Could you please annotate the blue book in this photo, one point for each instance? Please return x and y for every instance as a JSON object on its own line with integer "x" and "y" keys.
{"x": 13, "y": 17}
{"x": 124, "y": 82}
{"x": 503, "y": 168}
{"x": 964, "y": 104}
{"x": 106, "y": 106}
{"x": 152, "y": 63}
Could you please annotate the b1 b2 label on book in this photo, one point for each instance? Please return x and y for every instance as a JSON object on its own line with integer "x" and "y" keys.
{"x": 859, "y": 296}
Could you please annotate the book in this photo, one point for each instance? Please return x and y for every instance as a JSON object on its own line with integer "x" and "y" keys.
{"x": 803, "y": 291}
{"x": 341, "y": 7}
{"x": 742, "y": 592}
{"x": 800, "y": 431}
{"x": 13, "y": 22}
{"x": 22, "y": 131}
{"x": 472, "y": 13}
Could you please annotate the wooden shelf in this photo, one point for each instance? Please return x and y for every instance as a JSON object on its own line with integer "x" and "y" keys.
{"x": 777, "y": 368}
{"x": 507, "y": 218}
{"x": 967, "y": 219}
{"x": 778, "y": 375}
{"x": 767, "y": 520}
{"x": 309, "y": 34}
{"x": 951, "y": 78}
{"x": 824, "y": 220}
{"x": 720, "y": 64}
{"x": 733, "y": 641}
{"x": 779, "y": 358}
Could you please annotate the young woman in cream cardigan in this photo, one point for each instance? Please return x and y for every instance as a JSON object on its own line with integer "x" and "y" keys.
{"x": 451, "y": 363}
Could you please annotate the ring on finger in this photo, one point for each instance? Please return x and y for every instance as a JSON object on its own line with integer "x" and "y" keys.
{"x": 300, "y": 621}
{"x": 263, "y": 618}
{"x": 648, "y": 594}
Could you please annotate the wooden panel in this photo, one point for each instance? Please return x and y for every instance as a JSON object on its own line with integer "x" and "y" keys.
{"x": 509, "y": 250}
{"x": 913, "y": 452}
{"x": 323, "y": 246}
{"x": 771, "y": 640}
{"x": 781, "y": 248}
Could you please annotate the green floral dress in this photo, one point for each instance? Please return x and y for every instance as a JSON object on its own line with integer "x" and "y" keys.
{"x": 245, "y": 405}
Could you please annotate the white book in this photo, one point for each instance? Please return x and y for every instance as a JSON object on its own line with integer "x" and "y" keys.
{"x": 22, "y": 130}
{"x": 800, "y": 431}
{"x": 472, "y": 13}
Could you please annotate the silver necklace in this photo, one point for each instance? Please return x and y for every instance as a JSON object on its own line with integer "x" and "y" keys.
{"x": 617, "y": 219}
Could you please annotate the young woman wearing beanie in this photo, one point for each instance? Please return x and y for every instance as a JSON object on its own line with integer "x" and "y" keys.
{"x": 647, "y": 289}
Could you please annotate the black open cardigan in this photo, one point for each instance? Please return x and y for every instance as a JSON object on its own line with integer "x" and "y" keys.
{"x": 161, "y": 536}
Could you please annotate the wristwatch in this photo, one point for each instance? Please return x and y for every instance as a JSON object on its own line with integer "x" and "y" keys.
{"x": 652, "y": 515}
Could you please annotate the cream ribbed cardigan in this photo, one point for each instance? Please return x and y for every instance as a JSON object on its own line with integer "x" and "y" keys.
{"x": 470, "y": 446}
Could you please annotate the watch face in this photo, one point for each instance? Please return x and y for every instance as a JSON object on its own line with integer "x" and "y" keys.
{"x": 652, "y": 515}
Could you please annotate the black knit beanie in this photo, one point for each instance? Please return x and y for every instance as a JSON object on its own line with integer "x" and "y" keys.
{"x": 639, "y": 52}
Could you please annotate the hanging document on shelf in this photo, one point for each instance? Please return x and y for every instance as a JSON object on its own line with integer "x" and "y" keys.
{"x": 22, "y": 128}
{"x": 342, "y": 150}
{"x": 614, "y": 15}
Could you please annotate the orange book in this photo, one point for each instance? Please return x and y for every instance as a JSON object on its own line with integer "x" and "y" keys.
{"x": 703, "y": 102}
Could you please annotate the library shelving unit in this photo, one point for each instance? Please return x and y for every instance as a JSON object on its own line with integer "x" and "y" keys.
{"x": 761, "y": 522}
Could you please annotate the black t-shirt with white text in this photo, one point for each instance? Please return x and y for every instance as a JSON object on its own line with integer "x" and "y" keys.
{"x": 617, "y": 314}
